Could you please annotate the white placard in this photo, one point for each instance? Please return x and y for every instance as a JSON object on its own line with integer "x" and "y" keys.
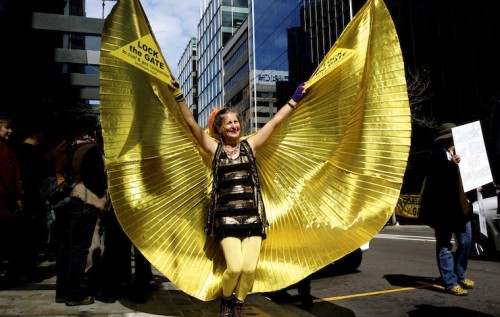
{"x": 474, "y": 165}
{"x": 482, "y": 219}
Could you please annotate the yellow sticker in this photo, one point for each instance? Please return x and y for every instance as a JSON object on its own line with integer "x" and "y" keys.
{"x": 145, "y": 55}
{"x": 408, "y": 206}
{"x": 333, "y": 60}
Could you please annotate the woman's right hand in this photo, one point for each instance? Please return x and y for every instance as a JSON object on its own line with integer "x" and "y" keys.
{"x": 177, "y": 91}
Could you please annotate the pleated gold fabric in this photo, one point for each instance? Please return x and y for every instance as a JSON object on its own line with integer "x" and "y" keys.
{"x": 330, "y": 175}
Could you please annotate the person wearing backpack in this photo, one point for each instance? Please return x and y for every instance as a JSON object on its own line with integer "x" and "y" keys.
{"x": 77, "y": 219}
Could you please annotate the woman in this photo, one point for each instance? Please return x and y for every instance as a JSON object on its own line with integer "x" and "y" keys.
{"x": 237, "y": 218}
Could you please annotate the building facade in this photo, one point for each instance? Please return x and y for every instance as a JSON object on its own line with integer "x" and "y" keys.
{"x": 60, "y": 76}
{"x": 220, "y": 19}
{"x": 188, "y": 75}
{"x": 278, "y": 47}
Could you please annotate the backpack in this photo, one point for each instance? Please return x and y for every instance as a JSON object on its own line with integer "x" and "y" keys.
{"x": 59, "y": 194}
{"x": 53, "y": 191}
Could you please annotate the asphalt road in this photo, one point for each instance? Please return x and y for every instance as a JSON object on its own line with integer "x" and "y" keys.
{"x": 398, "y": 278}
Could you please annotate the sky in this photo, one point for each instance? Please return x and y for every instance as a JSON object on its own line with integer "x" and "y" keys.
{"x": 173, "y": 22}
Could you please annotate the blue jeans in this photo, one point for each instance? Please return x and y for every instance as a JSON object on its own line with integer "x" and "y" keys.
{"x": 75, "y": 226}
{"x": 451, "y": 266}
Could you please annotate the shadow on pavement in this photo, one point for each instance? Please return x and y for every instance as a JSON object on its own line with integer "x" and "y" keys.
{"x": 430, "y": 310}
{"x": 403, "y": 280}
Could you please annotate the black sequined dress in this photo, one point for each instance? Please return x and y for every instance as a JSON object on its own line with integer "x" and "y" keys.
{"x": 236, "y": 208}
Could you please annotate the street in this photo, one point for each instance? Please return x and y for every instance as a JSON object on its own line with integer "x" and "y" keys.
{"x": 397, "y": 278}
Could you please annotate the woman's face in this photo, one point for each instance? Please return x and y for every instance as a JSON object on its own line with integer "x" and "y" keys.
{"x": 230, "y": 128}
{"x": 5, "y": 130}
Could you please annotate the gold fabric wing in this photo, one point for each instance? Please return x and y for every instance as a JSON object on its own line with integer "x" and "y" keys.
{"x": 330, "y": 175}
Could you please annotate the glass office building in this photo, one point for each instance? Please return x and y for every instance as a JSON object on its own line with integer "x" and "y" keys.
{"x": 270, "y": 25}
{"x": 286, "y": 40}
{"x": 219, "y": 21}
{"x": 188, "y": 75}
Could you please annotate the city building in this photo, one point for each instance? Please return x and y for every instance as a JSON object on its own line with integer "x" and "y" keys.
{"x": 188, "y": 75}
{"x": 51, "y": 62}
{"x": 50, "y": 74}
{"x": 259, "y": 60}
{"x": 448, "y": 48}
{"x": 219, "y": 21}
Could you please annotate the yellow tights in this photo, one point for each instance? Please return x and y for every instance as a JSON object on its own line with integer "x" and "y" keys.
{"x": 241, "y": 257}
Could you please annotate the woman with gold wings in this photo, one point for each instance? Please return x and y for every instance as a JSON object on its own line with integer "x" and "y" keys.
{"x": 329, "y": 175}
{"x": 237, "y": 217}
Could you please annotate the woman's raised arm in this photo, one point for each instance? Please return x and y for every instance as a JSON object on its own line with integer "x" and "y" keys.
{"x": 204, "y": 140}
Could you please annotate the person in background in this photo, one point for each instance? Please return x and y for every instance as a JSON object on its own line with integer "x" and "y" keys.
{"x": 445, "y": 208}
{"x": 57, "y": 157}
{"x": 34, "y": 168}
{"x": 11, "y": 206}
{"x": 76, "y": 221}
{"x": 237, "y": 218}
{"x": 118, "y": 279}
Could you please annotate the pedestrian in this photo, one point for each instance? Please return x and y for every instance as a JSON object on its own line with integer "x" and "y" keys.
{"x": 118, "y": 279}
{"x": 237, "y": 218}
{"x": 11, "y": 206}
{"x": 445, "y": 208}
{"x": 34, "y": 168}
{"x": 54, "y": 189}
{"x": 76, "y": 220}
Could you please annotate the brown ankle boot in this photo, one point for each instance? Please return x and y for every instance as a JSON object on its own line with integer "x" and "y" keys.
{"x": 238, "y": 307}
{"x": 226, "y": 308}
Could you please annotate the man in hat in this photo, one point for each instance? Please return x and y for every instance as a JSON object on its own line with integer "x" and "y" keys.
{"x": 445, "y": 208}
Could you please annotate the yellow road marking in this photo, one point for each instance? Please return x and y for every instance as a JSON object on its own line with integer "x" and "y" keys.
{"x": 402, "y": 289}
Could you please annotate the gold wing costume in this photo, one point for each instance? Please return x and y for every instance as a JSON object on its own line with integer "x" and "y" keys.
{"x": 330, "y": 175}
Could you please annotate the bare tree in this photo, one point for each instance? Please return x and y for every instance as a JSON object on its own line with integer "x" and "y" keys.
{"x": 418, "y": 84}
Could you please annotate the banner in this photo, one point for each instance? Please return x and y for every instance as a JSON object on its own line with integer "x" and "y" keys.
{"x": 474, "y": 165}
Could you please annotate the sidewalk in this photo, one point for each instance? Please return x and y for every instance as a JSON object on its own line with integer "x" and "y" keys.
{"x": 38, "y": 299}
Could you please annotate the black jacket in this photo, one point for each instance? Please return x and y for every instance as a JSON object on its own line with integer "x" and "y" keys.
{"x": 443, "y": 202}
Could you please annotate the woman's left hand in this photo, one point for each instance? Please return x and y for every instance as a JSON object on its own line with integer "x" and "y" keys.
{"x": 299, "y": 93}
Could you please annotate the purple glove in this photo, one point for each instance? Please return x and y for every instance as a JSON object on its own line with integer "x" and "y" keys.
{"x": 299, "y": 93}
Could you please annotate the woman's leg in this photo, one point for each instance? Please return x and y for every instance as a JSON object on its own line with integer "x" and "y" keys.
{"x": 250, "y": 250}
{"x": 232, "y": 249}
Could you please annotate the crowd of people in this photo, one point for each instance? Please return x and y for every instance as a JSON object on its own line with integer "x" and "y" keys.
{"x": 76, "y": 232}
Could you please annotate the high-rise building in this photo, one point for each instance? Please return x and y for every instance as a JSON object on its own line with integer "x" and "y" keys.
{"x": 272, "y": 27}
{"x": 324, "y": 21}
{"x": 260, "y": 58}
{"x": 219, "y": 21}
{"x": 60, "y": 77}
{"x": 188, "y": 75}
{"x": 236, "y": 72}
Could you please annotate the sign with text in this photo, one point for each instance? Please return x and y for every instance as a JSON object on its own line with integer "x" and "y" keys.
{"x": 474, "y": 165}
{"x": 408, "y": 206}
{"x": 332, "y": 60}
{"x": 145, "y": 55}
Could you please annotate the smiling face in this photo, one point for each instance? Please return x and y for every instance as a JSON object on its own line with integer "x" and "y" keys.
{"x": 5, "y": 130}
{"x": 230, "y": 128}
